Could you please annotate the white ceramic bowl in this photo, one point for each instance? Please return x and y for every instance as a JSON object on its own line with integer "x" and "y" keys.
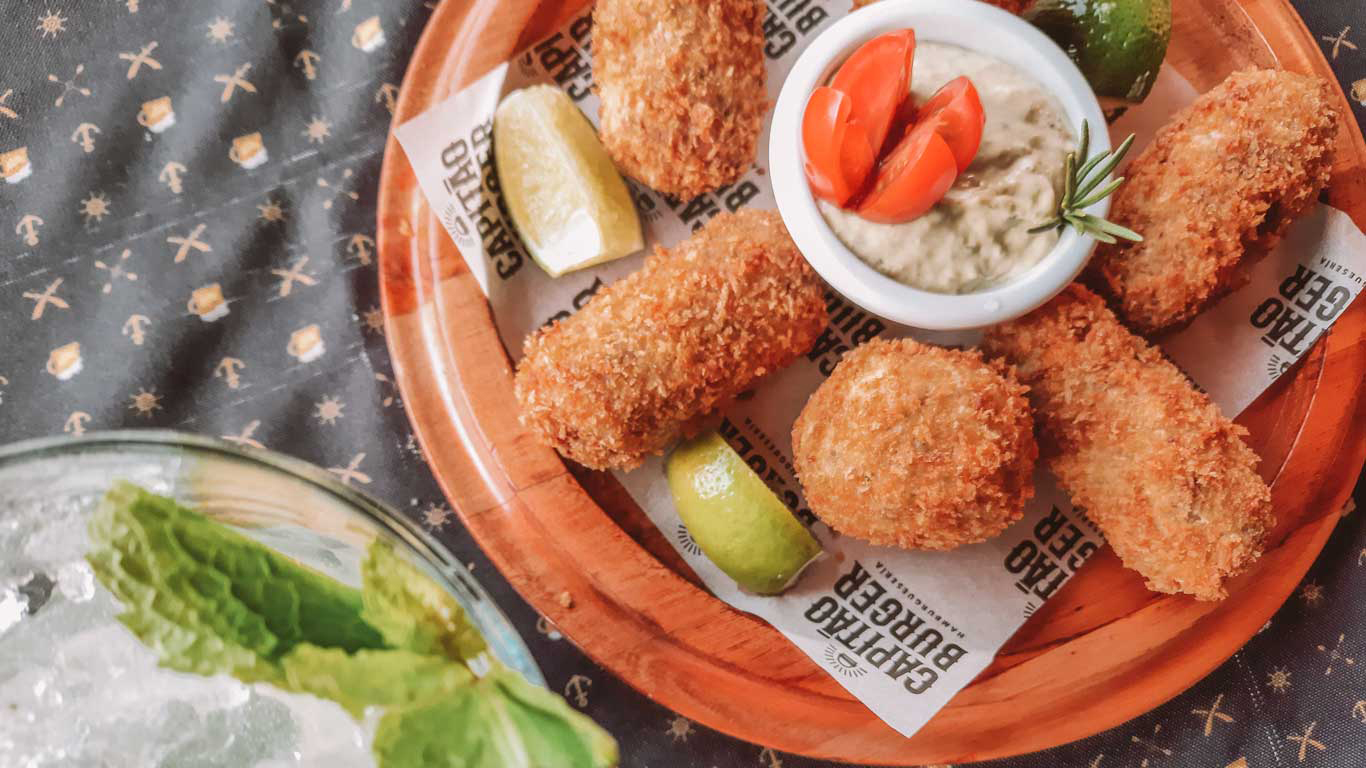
{"x": 979, "y": 27}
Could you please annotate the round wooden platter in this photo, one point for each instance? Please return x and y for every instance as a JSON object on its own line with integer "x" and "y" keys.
{"x": 1100, "y": 652}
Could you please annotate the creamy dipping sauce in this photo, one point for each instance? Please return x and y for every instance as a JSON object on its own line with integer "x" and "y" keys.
{"x": 977, "y": 235}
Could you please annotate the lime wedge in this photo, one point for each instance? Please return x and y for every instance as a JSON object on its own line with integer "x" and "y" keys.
{"x": 737, "y": 521}
{"x": 567, "y": 200}
{"x": 1118, "y": 44}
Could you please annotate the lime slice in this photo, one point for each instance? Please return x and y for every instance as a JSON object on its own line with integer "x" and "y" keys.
{"x": 737, "y": 521}
{"x": 567, "y": 200}
{"x": 1118, "y": 44}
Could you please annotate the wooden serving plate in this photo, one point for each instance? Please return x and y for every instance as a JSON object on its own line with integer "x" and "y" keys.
{"x": 1100, "y": 652}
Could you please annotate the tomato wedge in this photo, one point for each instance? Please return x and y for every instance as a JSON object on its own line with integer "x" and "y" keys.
{"x": 911, "y": 179}
{"x": 877, "y": 77}
{"x": 956, "y": 113}
{"x": 857, "y": 158}
{"x": 838, "y": 155}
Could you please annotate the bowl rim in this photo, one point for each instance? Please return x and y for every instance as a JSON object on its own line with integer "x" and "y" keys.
{"x": 941, "y": 21}
{"x": 454, "y": 575}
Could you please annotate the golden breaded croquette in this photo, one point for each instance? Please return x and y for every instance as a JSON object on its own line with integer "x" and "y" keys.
{"x": 1165, "y": 476}
{"x": 916, "y": 446}
{"x": 1016, "y": 7}
{"x": 1216, "y": 189}
{"x": 682, "y": 89}
{"x": 696, "y": 326}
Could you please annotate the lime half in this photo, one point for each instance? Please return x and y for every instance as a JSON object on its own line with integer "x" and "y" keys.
{"x": 567, "y": 200}
{"x": 738, "y": 522}
{"x": 1118, "y": 44}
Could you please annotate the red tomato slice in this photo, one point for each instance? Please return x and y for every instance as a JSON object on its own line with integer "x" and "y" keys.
{"x": 877, "y": 77}
{"x": 911, "y": 179}
{"x": 838, "y": 155}
{"x": 956, "y": 113}
{"x": 824, "y": 124}
{"x": 857, "y": 159}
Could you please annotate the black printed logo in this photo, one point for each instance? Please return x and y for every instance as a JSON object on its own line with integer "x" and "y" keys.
{"x": 843, "y": 664}
{"x": 685, "y": 540}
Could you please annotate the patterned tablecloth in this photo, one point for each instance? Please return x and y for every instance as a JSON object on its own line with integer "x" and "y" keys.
{"x": 187, "y": 241}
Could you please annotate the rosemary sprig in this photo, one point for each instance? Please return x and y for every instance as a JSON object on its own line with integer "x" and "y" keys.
{"x": 1082, "y": 188}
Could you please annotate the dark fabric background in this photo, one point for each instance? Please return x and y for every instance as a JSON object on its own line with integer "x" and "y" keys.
{"x": 100, "y": 224}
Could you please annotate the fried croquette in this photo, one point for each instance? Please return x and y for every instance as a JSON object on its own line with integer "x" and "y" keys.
{"x": 697, "y": 325}
{"x": 1165, "y": 476}
{"x": 1016, "y": 7}
{"x": 916, "y": 446}
{"x": 681, "y": 84}
{"x": 1216, "y": 189}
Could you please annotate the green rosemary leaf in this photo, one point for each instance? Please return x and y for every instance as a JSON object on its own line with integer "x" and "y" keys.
{"x": 1098, "y": 195}
{"x": 1084, "y": 146}
{"x": 1069, "y": 179}
{"x": 1109, "y": 165}
{"x": 1117, "y": 230}
{"x": 1085, "y": 171}
{"x": 1087, "y": 227}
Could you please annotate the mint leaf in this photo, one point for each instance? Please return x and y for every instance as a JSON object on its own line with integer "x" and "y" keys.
{"x": 163, "y": 593}
{"x": 502, "y": 721}
{"x": 298, "y": 603}
{"x": 209, "y": 599}
{"x": 445, "y": 733}
{"x": 367, "y": 678}
{"x": 411, "y": 610}
{"x": 549, "y": 727}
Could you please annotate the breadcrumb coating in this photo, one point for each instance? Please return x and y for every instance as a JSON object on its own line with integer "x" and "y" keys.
{"x": 1166, "y": 477}
{"x": 1216, "y": 189}
{"x": 693, "y": 328}
{"x": 1014, "y": 6}
{"x": 916, "y": 446}
{"x": 681, "y": 84}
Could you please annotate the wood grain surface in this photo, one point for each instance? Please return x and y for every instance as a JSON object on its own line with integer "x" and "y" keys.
{"x": 1100, "y": 652}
